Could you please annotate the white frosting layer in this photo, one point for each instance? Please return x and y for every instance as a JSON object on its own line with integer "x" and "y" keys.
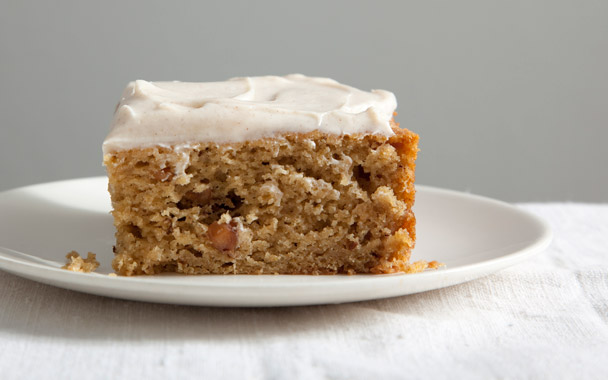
{"x": 178, "y": 113}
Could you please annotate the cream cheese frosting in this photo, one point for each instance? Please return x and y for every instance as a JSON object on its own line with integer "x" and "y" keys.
{"x": 240, "y": 109}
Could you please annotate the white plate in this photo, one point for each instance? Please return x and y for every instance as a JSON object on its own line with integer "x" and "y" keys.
{"x": 472, "y": 235}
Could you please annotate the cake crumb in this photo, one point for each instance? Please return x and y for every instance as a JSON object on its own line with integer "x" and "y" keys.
{"x": 76, "y": 263}
{"x": 435, "y": 265}
{"x": 421, "y": 266}
{"x": 112, "y": 275}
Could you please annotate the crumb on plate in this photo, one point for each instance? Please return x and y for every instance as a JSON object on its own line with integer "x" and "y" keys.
{"x": 76, "y": 263}
{"x": 435, "y": 265}
{"x": 421, "y": 266}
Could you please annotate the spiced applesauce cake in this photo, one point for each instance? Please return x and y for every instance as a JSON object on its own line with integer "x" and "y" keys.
{"x": 260, "y": 175}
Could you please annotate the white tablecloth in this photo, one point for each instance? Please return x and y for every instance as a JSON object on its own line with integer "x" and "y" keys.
{"x": 546, "y": 318}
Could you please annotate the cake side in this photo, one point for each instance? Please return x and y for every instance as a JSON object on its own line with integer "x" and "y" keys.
{"x": 297, "y": 203}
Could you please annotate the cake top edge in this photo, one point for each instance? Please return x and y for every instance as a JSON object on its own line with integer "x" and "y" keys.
{"x": 244, "y": 108}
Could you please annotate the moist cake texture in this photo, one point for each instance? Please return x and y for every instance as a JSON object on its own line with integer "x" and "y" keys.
{"x": 262, "y": 175}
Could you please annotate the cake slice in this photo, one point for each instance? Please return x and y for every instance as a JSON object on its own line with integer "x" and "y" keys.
{"x": 260, "y": 175}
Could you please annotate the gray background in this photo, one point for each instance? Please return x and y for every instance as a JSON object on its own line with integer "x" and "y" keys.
{"x": 510, "y": 98}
